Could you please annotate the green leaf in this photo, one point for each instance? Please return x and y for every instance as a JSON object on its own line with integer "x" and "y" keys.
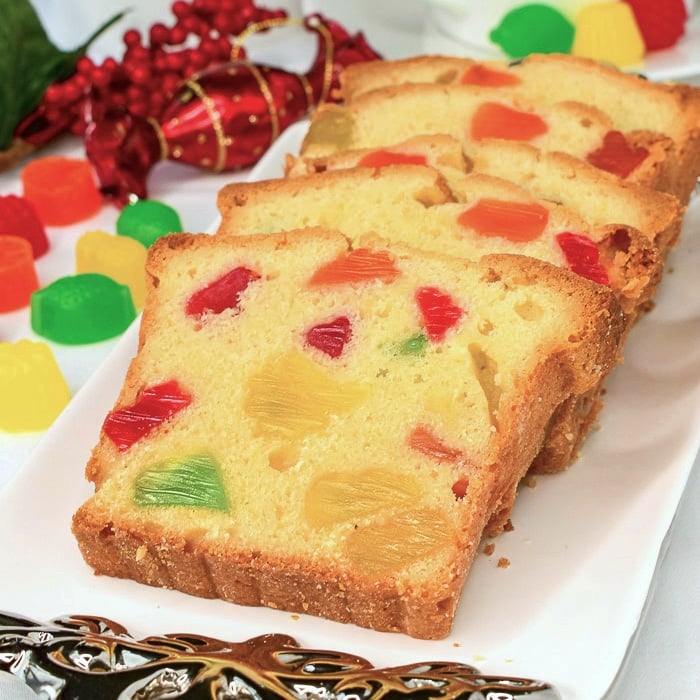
{"x": 29, "y": 63}
{"x": 191, "y": 481}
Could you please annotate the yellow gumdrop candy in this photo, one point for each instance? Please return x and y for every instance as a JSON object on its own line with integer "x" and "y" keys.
{"x": 33, "y": 390}
{"x": 608, "y": 32}
{"x": 119, "y": 257}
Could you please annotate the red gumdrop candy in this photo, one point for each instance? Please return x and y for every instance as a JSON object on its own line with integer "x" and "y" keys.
{"x": 18, "y": 217}
{"x": 617, "y": 156}
{"x": 18, "y": 278}
{"x": 154, "y": 406}
{"x": 224, "y": 293}
{"x": 359, "y": 265}
{"x": 516, "y": 221}
{"x": 332, "y": 337}
{"x": 496, "y": 121}
{"x": 439, "y": 312}
{"x": 484, "y": 76}
{"x": 63, "y": 190}
{"x": 583, "y": 257}
{"x": 382, "y": 158}
{"x": 661, "y": 24}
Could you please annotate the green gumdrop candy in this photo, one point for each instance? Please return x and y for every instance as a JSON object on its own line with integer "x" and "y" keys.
{"x": 534, "y": 28}
{"x": 191, "y": 481}
{"x": 147, "y": 219}
{"x": 82, "y": 309}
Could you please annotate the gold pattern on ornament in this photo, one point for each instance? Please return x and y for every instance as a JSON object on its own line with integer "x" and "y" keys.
{"x": 162, "y": 141}
{"x": 215, "y": 119}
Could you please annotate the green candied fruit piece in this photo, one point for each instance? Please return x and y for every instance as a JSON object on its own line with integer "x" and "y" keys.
{"x": 147, "y": 220}
{"x": 190, "y": 481}
{"x": 415, "y": 345}
{"x": 82, "y": 309}
{"x": 533, "y": 28}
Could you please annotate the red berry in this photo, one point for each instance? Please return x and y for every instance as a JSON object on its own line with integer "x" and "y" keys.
{"x": 158, "y": 34}
{"x": 132, "y": 37}
{"x": 661, "y": 24}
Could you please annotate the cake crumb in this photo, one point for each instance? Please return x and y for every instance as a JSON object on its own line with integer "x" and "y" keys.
{"x": 456, "y": 644}
{"x": 294, "y": 617}
{"x": 503, "y": 563}
{"x": 508, "y": 527}
{"x": 530, "y": 481}
{"x": 489, "y": 549}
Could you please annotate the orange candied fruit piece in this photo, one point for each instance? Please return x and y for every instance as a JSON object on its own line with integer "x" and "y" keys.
{"x": 484, "y": 76}
{"x": 423, "y": 440}
{"x": 617, "y": 155}
{"x": 517, "y": 221}
{"x": 358, "y": 265}
{"x": 62, "y": 190}
{"x": 382, "y": 158}
{"x": 18, "y": 278}
{"x": 496, "y": 121}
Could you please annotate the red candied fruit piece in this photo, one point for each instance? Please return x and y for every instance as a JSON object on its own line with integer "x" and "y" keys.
{"x": 496, "y": 121}
{"x": 484, "y": 76}
{"x": 439, "y": 312}
{"x": 360, "y": 265}
{"x": 583, "y": 257}
{"x": 517, "y": 221}
{"x": 382, "y": 158}
{"x": 18, "y": 217}
{"x": 224, "y": 293}
{"x": 459, "y": 488}
{"x": 332, "y": 337}
{"x": 154, "y": 406}
{"x": 617, "y": 156}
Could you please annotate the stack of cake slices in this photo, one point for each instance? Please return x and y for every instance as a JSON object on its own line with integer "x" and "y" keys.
{"x": 337, "y": 395}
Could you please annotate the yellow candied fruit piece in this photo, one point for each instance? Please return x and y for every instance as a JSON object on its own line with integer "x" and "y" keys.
{"x": 339, "y": 497}
{"x": 33, "y": 390}
{"x": 608, "y": 31}
{"x": 381, "y": 548}
{"x": 292, "y": 397}
{"x": 119, "y": 257}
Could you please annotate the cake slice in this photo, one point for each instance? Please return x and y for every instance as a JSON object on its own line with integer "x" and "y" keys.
{"x": 415, "y": 205}
{"x": 327, "y": 428}
{"x": 598, "y": 197}
{"x": 467, "y": 216}
{"x": 386, "y": 116}
{"x": 633, "y": 103}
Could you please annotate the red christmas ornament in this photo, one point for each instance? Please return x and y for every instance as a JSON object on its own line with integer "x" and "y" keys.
{"x": 222, "y": 118}
{"x": 151, "y": 69}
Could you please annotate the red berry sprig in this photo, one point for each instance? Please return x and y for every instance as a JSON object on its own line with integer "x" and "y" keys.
{"x": 151, "y": 69}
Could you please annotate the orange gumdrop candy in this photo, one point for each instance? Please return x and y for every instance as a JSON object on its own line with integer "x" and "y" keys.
{"x": 517, "y": 221}
{"x": 360, "y": 265}
{"x": 380, "y": 159}
{"x": 18, "y": 280}
{"x": 62, "y": 190}
{"x": 482, "y": 75}
{"x": 496, "y": 121}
